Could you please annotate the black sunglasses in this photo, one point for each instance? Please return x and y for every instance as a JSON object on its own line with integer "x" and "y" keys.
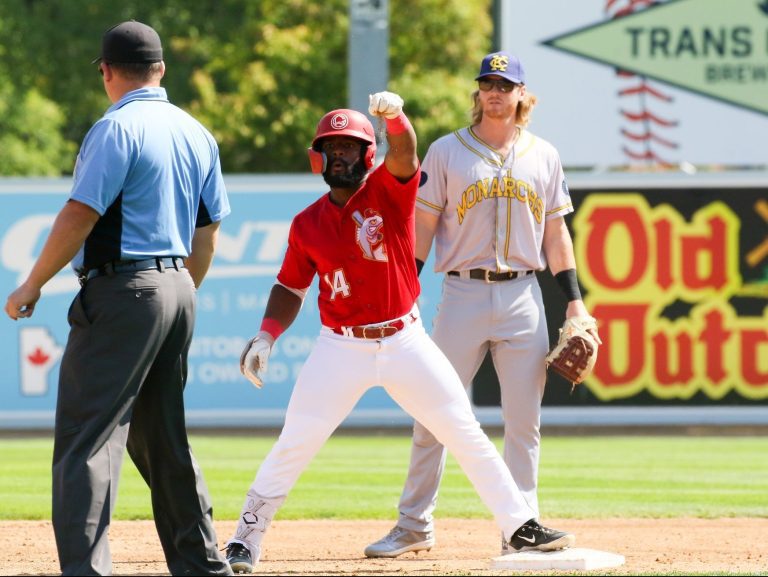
{"x": 502, "y": 85}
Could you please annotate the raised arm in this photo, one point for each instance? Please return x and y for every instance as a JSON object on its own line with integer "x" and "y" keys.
{"x": 401, "y": 159}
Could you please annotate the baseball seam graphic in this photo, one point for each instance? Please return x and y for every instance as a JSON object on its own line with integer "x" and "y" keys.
{"x": 644, "y": 140}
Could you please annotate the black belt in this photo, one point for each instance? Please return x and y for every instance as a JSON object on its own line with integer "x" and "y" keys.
{"x": 158, "y": 263}
{"x": 491, "y": 276}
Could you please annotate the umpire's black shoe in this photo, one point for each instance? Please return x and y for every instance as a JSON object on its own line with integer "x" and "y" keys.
{"x": 532, "y": 536}
{"x": 239, "y": 558}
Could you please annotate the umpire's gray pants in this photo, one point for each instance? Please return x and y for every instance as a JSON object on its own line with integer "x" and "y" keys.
{"x": 121, "y": 383}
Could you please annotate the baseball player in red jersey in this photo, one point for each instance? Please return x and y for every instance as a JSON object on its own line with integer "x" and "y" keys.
{"x": 359, "y": 239}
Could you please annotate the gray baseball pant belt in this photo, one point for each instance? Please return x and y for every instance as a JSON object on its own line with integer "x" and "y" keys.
{"x": 489, "y": 275}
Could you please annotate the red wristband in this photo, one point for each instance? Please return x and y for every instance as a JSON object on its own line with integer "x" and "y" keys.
{"x": 398, "y": 124}
{"x": 272, "y": 326}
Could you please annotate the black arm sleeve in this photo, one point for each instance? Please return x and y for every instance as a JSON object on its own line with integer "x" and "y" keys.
{"x": 568, "y": 284}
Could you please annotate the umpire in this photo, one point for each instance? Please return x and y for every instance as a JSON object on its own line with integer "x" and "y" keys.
{"x": 140, "y": 228}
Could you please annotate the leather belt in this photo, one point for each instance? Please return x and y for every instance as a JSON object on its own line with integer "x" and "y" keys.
{"x": 158, "y": 263}
{"x": 492, "y": 276}
{"x": 379, "y": 331}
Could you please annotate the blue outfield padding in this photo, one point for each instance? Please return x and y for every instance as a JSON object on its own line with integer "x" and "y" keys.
{"x": 231, "y": 303}
{"x": 674, "y": 266}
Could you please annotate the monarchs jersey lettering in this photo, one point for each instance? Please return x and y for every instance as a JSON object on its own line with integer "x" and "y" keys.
{"x": 363, "y": 252}
{"x": 464, "y": 181}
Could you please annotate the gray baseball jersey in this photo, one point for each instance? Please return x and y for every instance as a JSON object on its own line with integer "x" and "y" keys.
{"x": 468, "y": 181}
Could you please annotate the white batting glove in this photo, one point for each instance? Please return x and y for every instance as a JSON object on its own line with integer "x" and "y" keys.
{"x": 254, "y": 358}
{"x": 386, "y": 104}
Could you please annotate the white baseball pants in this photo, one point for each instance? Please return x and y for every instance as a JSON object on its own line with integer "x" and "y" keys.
{"x": 418, "y": 376}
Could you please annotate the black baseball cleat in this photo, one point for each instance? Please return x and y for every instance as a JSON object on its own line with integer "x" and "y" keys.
{"x": 532, "y": 536}
{"x": 239, "y": 558}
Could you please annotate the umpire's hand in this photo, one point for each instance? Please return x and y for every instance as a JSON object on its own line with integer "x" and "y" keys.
{"x": 21, "y": 302}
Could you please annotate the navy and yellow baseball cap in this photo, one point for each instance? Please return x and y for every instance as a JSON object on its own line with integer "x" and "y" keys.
{"x": 502, "y": 64}
{"x": 129, "y": 42}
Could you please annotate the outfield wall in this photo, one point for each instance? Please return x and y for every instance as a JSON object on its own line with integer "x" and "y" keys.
{"x": 675, "y": 268}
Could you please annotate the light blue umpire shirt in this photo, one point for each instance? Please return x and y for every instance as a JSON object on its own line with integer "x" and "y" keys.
{"x": 153, "y": 174}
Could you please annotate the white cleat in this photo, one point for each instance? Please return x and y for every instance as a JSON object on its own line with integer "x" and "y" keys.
{"x": 399, "y": 541}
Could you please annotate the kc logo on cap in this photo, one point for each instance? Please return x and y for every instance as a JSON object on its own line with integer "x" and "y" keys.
{"x": 499, "y": 62}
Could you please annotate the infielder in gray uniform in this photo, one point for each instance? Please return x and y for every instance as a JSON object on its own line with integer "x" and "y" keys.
{"x": 492, "y": 197}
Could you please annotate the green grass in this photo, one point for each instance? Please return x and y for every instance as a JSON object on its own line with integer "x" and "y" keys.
{"x": 356, "y": 477}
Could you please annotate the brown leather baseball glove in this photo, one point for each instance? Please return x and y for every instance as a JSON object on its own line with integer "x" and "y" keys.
{"x": 575, "y": 354}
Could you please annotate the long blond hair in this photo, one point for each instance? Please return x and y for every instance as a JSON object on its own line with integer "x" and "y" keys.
{"x": 523, "y": 112}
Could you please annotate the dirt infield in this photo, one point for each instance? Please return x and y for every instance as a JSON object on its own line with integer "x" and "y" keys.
{"x": 735, "y": 546}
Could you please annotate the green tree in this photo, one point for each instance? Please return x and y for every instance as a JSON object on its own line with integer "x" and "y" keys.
{"x": 30, "y": 134}
{"x": 436, "y": 47}
{"x": 31, "y": 125}
{"x": 268, "y": 88}
{"x": 273, "y": 81}
{"x": 258, "y": 73}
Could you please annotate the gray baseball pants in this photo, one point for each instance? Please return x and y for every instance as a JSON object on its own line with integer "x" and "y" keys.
{"x": 474, "y": 317}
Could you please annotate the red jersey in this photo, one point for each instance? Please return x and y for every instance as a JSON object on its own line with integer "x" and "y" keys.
{"x": 363, "y": 252}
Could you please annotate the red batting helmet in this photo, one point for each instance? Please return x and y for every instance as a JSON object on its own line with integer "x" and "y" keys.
{"x": 343, "y": 122}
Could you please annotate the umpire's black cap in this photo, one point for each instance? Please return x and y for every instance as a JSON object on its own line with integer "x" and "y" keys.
{"x": 129, "y": 42}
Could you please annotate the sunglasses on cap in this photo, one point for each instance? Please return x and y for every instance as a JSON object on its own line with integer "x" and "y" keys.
{"x": 503, "y": 85}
